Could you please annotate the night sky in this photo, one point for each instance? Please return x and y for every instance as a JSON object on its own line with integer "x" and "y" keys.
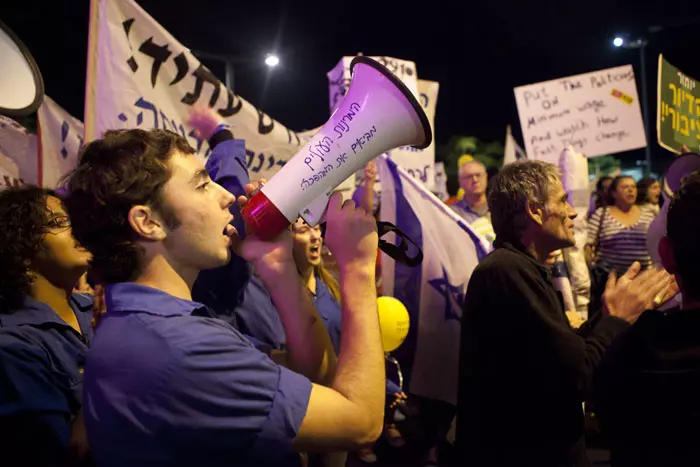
{"x": 477, "y": 51}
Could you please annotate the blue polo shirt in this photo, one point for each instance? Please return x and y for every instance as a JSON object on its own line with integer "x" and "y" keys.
{"x": 167, "y": 383}
{"x": 232, "y": 292}
{"x": 41, "y": 377}
{"x": 223, "y": 289}
{"x": 258, "y": 317}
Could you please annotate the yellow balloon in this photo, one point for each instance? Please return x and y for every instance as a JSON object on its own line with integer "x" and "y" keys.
{"x": 394, "y": 322}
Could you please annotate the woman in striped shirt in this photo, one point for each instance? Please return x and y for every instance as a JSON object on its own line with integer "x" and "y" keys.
{"x": 622, "y": 237}
{"x": 620, "y": 240}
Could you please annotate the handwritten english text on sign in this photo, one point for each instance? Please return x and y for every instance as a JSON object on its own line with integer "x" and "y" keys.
{"x": 597, "y": 113}
{"x": 678, "y": 110}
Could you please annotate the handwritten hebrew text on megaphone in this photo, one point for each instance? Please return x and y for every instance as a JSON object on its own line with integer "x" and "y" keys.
{"x": 378, "y": 114}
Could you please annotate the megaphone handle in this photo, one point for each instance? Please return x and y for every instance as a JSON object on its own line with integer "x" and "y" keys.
{"x": 398, "y": 369}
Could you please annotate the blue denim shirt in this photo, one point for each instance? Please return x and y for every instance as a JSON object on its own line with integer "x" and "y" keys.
{"x": 167, "y": 383}
{"x": 41, "y": 375}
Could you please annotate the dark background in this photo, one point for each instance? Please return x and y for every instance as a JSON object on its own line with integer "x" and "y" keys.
{"x": 477, "y": 51}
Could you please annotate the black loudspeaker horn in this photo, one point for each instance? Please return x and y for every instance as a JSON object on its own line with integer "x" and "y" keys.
{"x": 21, "y": 85}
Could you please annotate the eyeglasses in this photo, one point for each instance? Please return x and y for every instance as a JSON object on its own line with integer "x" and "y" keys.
{"x": 476, "y": 176}
{"x": 58, "y": 222}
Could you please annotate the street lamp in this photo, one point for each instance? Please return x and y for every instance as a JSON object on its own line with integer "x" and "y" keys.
{"x": 640, "y": 44}
{"x": 271, "y": 60}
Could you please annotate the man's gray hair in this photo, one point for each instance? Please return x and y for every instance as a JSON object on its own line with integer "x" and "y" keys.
{"x": 512, "y": 188}
{"x": 471, "y": 162}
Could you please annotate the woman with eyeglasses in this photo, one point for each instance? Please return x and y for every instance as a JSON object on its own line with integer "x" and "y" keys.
{"x": 45, "y": 330}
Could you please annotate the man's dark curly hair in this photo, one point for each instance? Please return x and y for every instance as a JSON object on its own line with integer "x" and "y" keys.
{"x": 123, "y": 169}
{"x": 23, "y": 223}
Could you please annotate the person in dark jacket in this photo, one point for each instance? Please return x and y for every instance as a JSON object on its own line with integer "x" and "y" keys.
{"x": 524, "y": 372}
{"x": 647, "y": 386}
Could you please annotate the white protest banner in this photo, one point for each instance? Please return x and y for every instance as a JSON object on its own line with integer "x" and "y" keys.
{"x": 9, "y": 173}
{"x": 419, "y": 163}
{"x": 60, "y": 139}
{"x": 597, "y": 113}
{"x": 140, "y": 76}
{"x": 339, "y": 82}
{"x": 18, "y": 148}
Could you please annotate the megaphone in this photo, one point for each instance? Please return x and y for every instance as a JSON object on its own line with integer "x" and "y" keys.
{"x": 684, "y": 165}
{"x": 378, "y": 113}
{"x": 21, "y": 85}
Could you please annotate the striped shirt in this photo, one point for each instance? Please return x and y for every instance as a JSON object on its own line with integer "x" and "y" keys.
{"x": 620, "y": 245}
{"x": 479, "y": 223}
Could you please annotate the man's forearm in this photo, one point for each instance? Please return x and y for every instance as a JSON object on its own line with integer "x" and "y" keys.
{"x": 360, "y": 375}
{"x": 309, "y": 348}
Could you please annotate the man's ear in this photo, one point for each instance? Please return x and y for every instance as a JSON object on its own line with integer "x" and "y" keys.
{"x": 535, "y": 212}
{"x": 666, "y": 254}
{"x": 146, "y": 223}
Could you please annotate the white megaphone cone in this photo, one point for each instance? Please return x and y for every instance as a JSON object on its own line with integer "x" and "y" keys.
{"x": 379, "y": 113}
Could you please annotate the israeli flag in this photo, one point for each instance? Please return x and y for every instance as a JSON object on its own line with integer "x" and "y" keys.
{"x": 512, "y": 152}
{"x": 434, "y": 292}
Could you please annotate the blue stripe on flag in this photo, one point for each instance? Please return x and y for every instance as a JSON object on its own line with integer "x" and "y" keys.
{"x": 407, "y": 280}
{"x": 480, "y": 251}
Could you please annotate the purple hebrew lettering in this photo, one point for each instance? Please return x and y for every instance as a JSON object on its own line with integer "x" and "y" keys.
{"x": 424, "y": 98}
{"x": 250, "y": 155}
{"x": 144, "y": 104}
{"x": 261, "y": 160}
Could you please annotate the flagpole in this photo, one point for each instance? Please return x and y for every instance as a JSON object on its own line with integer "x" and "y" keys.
{"x": 88, "y": 115}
